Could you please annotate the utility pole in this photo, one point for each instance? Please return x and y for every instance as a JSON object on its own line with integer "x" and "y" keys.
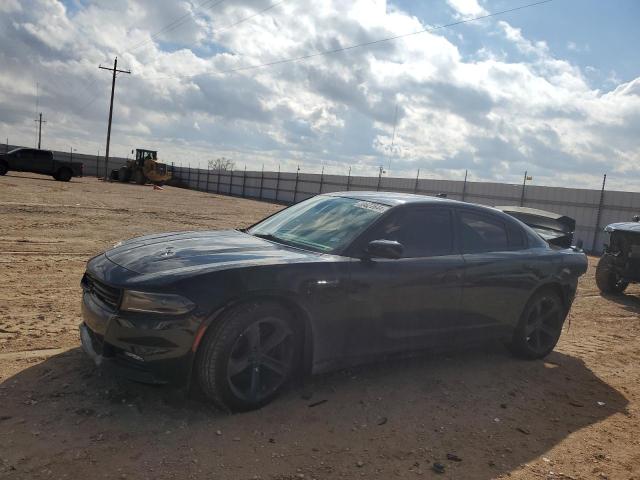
{"x": 113, "y": 87}
{"x": 524, "y": 184}
{"x": 40, "y": 122}
{"x": 595, "y": 234}
{"x": 464, "y": 185}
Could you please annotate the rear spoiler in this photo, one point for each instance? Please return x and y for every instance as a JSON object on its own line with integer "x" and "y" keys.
{"x": 554, "y": 228}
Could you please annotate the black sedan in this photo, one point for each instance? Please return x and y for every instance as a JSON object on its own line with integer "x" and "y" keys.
{"x": 332, "y": 281}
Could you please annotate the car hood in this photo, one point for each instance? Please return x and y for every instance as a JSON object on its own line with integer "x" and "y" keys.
{"x": 211, "y": 250}
{"x": 632, "y": 227}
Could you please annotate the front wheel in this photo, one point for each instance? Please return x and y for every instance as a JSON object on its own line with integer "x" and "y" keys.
{"x": 246, "y": 361}
{"x": 607, "y": 278}
{"x": 124, "y": 175}
{"x": 540, "y": 325}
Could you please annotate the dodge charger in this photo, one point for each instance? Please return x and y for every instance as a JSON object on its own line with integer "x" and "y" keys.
{"x": 333, "y": 281}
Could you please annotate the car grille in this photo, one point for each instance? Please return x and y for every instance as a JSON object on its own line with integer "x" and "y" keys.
{"x": 108, "y": 295}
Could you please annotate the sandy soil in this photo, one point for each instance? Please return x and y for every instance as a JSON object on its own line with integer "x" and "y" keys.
{"x": 479, "y": 413}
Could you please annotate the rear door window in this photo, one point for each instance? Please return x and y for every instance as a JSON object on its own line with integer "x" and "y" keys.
{"x": 482, "y": 233}
{"x": 517, "y": 239}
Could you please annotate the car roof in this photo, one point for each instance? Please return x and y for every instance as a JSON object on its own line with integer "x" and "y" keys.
{"x": 394, "y": 198}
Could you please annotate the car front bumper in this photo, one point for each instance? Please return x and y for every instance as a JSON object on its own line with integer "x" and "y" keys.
{"x": 149, "y": 349}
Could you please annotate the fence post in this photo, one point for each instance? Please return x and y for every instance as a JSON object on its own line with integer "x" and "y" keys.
{"x": 321, "y": 179}
{"x": 599, "y": 214}
{"x": 218, "y": 181}
{"x": 189, "y": 175}
{"x": 295, "y": 188}
{"x": 464, "y": 185}
{"x": 97, "y": 162}
{"x": 379, "y": 180}
{"x": 244, "y": 180}
{"x": 261, "y": 181}
{"x": 198, "y": 180}
{"x": 208, "y": 174}
{"x": 278, "y": 183}
{"x": 415, "y": 187}
{"x": 524, "y": 183}
{"x": 231, "y": 183}
{"x": 349, "y": 179}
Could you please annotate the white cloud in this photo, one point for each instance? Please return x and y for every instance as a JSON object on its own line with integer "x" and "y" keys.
{"x": 491, "y": 113}
{"x": 467, "y": 8}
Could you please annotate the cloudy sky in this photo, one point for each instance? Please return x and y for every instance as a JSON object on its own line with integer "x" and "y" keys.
{"x": 553, "y": 89}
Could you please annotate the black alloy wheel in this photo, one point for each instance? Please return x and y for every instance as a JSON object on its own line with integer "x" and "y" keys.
{"x": 540, "y": 326}
{"x": 247, "y": 358}
{"x": 261, "y": 360}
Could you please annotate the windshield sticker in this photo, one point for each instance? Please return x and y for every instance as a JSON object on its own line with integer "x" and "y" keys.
{"x": 376, "y": 207}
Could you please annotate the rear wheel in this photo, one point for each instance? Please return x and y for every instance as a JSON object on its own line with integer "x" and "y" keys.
{"x": 3, "y": 168}
{"x": 540, "y": 325}
{"x": 124, "y": 174}
{"x": 607, "y": 277}
{"x": 63, "y": 175}
{"x": 246, "y": 361}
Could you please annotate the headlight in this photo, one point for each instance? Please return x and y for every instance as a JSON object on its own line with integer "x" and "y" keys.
{"x": 164, "y": 303}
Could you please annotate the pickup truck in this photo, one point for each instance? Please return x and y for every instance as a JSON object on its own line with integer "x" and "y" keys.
{"x": 39, "y": 161}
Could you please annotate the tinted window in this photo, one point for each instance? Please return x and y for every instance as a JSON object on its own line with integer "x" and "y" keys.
{"x": 423, "y": 232}
{"x": 482, "y": 233}
{"x": 516, "y": 237}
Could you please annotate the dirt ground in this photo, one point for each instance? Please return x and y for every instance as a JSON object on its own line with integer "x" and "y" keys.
{"x": 479, "y": 413}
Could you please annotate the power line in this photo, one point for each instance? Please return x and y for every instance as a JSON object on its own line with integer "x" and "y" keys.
{"x": 359, "y": 45}
{"x": 88, "y": 104}
{"x": 173, "y": 25}
{"x": 218, "y": 30}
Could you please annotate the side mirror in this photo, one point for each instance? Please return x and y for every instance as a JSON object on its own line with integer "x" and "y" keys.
{"x": 384, "y": 249}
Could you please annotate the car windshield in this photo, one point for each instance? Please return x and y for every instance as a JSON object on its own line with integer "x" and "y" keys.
{"x": 322, "y": 223}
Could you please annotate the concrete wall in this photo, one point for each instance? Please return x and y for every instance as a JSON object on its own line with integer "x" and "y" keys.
{"x": 581, "y": 204}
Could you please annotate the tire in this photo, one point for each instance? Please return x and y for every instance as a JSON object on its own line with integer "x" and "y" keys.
{"x": 139, "y": 178}
{"x": 248, "y": 359}
{"x": 539, "y": 327}
{"x": 607, "y": 278}
{"x": 4, "y": 168}
{"x": 124, "y": 175}
{"x": 63, "y": 175}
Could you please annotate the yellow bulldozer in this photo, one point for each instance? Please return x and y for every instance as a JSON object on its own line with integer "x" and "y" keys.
{"x": 145, "y": 168}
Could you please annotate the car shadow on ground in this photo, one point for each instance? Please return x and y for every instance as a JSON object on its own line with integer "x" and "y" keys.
{"x": 629, "y": 300}
{"x": 479, "y": 413}
{"x": 48, "y": 178}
